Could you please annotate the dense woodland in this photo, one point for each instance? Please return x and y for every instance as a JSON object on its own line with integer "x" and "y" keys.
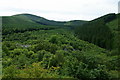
{"x": 98, "y": 32}
{"x": 34, "y": 47}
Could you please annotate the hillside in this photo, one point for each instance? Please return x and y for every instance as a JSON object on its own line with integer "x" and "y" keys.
{"x": 33, "y": 19}
{"x": 20, "y": 22}
{"x": 34, "y": 47}
{"x": 40, "y": 20}
{"x": 44, "y": 21}
{"x": 100, "y": 31}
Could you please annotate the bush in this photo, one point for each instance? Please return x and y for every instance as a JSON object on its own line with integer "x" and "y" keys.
{"x": 10, "y": 72}
{"x": 54, "y": 39}
{"x": 41, "y": 54}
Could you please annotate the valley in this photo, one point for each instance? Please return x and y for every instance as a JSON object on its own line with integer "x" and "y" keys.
{"x": 34, "y": 47}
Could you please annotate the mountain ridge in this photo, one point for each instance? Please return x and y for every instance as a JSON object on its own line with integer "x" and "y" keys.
{"x": 44, "y": 21}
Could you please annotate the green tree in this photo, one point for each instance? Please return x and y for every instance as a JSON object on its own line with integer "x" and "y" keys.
{"x": 54, "y": 39}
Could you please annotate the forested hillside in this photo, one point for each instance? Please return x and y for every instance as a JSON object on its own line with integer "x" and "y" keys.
{"x": 101, "y": 31}
{"x": 34, "y": 47}
{"x": 23, "y": 22}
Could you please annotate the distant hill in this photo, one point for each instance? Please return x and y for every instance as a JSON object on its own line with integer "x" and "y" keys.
{"x": 40, "y": 20}
{"x": 21, "y": 23}
{"x": 17, "y": 21}
{"x": 35, "y": 20}
{"x": 24, "y": 22}
{"x": 75, "y": 23}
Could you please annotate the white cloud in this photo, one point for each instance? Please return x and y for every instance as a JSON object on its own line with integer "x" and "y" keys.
{"x": 60, "y": 9}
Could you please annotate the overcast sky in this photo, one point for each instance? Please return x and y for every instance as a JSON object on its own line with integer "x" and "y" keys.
{"x": 60, "y": 10}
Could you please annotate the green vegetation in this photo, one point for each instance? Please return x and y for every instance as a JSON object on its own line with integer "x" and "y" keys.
{"x": 102, "y": 31}
{"x": 52, "y": 50}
